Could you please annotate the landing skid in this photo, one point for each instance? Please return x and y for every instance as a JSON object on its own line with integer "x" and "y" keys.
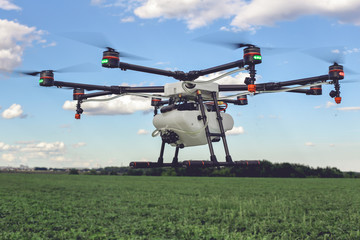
{"x": 195, "y": 163}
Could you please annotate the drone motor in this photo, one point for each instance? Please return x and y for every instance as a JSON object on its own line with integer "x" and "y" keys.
{"x": 77, "y": 93}
{"x": 336, "y": 72}
{"x": 242, "y": 100}
{"x": 252, "y": 55}
{"x": 111, "y": 58}
{"x": 46, "y": 78}
{"x": 315, "y": 90}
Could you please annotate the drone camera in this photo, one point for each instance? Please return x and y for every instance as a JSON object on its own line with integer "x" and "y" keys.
{"x": 46, "y": 78}
{"x": 77, "y": 93}
{"x": 169, "y": 136}
{"x": 336, "y": 72}
{"x": 110, "y": 59}
{"x": 252, "y": 55}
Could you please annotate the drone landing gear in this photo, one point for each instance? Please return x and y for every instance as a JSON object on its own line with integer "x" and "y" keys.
{"x": 160, "y": 163}
{"x": 198, "y": 163}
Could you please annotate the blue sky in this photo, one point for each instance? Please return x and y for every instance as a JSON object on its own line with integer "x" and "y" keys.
{"x": 37, "y": 124}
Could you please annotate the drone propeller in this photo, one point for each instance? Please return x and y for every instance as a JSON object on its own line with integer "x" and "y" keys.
{"x": 226, "y": 40}
{"x": 84, "y": 67}
{"x": 98, "y": 40}
{"x": 333, "y": 55}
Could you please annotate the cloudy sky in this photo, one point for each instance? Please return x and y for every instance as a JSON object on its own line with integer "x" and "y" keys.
{"x": 37, "y": 125}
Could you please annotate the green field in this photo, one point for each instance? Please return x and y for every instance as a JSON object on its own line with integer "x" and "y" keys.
{"x": 35, "y": 206}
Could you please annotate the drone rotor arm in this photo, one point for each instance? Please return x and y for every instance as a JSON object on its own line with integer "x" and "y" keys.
{"x": 180, "y": 75}
{"x": 274, "y": 85}
{"x": 88, "y": 87}
{"x": 304, "y": 81}
{"x": 236, "y": 64}
{"x": 127, "y": 66}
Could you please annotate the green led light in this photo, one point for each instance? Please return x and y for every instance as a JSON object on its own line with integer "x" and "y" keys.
{"x": 257, "y": 57}
{"x": 105, "y": 60}
{"x": 41, "y": 80}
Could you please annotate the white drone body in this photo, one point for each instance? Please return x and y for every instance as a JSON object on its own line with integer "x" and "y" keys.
{"x": 186, "y": 122}
{"x": 189, "y": 128}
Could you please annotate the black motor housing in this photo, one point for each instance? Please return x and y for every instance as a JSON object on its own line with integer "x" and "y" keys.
{"x": 46, "y": 78}
{"x": 110, "y": 59}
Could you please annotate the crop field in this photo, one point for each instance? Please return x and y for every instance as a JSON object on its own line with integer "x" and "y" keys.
{"x": 36, "y": 206}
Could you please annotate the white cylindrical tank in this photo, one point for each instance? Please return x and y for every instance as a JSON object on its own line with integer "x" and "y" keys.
{"x": 188, "y": 127}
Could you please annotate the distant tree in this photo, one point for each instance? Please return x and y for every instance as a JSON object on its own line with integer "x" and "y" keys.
{"x": 40, "y": 169}
{"x": 74, "y": 171}
{"x": 135, "y": 172}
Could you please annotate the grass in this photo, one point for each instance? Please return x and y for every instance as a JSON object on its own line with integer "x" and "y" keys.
{"x": 113, "y": 207}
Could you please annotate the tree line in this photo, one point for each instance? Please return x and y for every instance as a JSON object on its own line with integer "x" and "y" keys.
{"x": 265, "y": 169}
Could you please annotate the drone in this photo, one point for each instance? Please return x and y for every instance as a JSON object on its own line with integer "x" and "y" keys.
{"x": 191, "y": 112}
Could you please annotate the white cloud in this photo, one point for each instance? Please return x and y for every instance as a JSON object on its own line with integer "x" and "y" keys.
{"x": 330, "y": 104}
{"x": 237, "y": 79}
{"x": 8, "y": 157}
{"x": 196, "y": 13}
{"x": 79, "y": 144}
{"x": 14, "y": 38}
{"x": 24, "y": 151}
{"x": 309, "y": 144}
{"x": 7, "y": 5}
{"x": 351, "y": 51}
{"x": 242, "y": 14}
{"x": 7, "y": 147}
{"x": 348, "y": 109}
{"x": 119, "y": 106}
{"x": 327, "y": 105}
{"x": 162, "y": 63}
{"x": 52, "y": 44}
{"x": 97, "y": 2}
{"x": 13, "y": 111}
{"x": 128, "y": 19}
{"x": 43, "y": 147}
{"x": 142, "y": 132}
{"x": 266, "y": 13}
{"x": 236, "y": 131}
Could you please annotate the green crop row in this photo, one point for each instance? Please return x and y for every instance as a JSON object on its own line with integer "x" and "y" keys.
{"x": 114, "y": 207}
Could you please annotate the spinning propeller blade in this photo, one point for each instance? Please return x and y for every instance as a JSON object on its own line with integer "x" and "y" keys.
{"x": 242, "y": 41}
{"x": 330, "y": 55}
{"x": 84, "y": 67}
{"x": 98, "y": 40}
